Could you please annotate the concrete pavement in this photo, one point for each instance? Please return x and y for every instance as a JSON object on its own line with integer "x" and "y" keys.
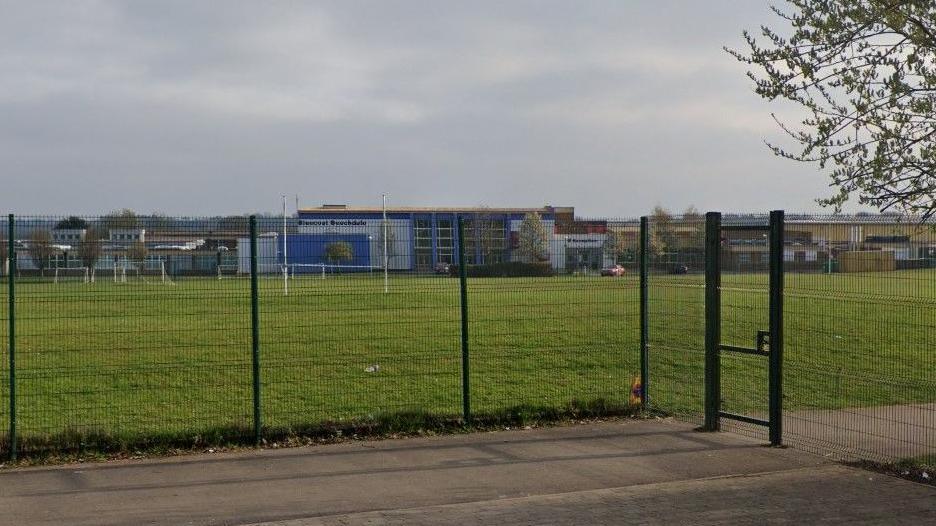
{"x": 830, "y": 494}
{"x": 611, "y": 473}
{"x": 892, "y": 431}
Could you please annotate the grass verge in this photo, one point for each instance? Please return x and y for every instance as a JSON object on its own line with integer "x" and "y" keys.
{"x": 100, "y": 446}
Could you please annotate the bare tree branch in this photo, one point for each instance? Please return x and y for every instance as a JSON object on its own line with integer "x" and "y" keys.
{"x": 865, "y": 72}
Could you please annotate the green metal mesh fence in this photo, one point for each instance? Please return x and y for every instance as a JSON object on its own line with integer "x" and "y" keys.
{"x": 124, "y": 333}
{"x": 676, "y": 312}
{"x": 570, "y": 338}
{"x": 342, "y": 340}
{"x": 859, "y": 324}
{"x": 744, "y": 313}
{"x": 860, "y": 358}
{"x": 137, "y": 330}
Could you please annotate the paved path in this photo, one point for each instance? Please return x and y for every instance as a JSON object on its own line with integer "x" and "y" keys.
{"x": 613, "y": 473}
{"x": 893, "y": 431}
{"x": 855, "y": 433}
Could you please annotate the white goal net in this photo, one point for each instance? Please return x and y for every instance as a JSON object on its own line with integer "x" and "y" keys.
{"x": 151, "y": 272}
{"x": 73, "y": 274}
{"x": 228, "y": 270}
{"x": 323, "y": 270}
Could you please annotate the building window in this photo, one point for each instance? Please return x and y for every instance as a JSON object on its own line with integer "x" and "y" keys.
{"x": 485, "y": 238}
{"x": 469, "y": 242}
{"x": 887, "y": 239}
{"x": 422, "y": 238}
{"x": 495, "y": 244}
{"x": 445, "y": 241}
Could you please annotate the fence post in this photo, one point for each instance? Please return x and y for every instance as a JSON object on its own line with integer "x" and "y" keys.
{"x": 463, "y": 286}
{"x": 255, "y": 328}
{"x": 644, "y": 321}
{"x": 11, "y": 285}
{"x": 712, "y": 320}
{"x": 776, "y": 327}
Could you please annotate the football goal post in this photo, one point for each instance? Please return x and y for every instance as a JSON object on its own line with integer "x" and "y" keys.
{"x": 229, "y": 270}
{"x": 163, "y": 276}
{"x": 127, "y": 273}
{"x": 72, "y": 274}
{"x": 321, "y": 270}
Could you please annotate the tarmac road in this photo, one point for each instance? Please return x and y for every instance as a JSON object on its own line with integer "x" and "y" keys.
{"x": 620, "y": 472}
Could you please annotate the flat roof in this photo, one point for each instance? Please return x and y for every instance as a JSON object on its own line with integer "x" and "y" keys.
{"x": 344, "y": 209}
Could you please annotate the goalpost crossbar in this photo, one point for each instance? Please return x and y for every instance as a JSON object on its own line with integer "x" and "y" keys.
{"x": 228, "y": 270}
{"x": 82, "y": 273}
{"x": 121, "y": 272}
{"x": 323, "y": 269}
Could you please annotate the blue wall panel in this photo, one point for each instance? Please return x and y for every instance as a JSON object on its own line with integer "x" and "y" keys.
{"x": 310, "y": 249}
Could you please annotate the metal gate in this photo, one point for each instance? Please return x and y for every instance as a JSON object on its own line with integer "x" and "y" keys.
{"x": 767, "y": 343}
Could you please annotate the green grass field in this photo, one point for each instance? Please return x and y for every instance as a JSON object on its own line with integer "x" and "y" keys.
{"x": 141, "y": 360}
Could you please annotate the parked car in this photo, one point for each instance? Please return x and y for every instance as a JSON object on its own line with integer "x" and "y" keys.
{"x": 615, "y": 271}
{"x": 443, "y": 268}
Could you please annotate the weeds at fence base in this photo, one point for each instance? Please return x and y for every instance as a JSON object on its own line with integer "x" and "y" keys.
{"x": 919, "y": 469}
{"x": 75, "y": 445}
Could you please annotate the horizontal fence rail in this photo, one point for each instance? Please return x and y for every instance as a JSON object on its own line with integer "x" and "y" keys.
{"x": 122, "y": 331}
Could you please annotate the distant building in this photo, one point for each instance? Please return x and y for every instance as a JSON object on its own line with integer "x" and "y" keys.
{"x": 422, "y": 237}
{"x": 67, "y": 236}
{"x": 127, "y": 235}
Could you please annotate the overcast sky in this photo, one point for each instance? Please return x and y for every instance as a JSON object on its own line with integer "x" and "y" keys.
{"x": 221, "y": 107}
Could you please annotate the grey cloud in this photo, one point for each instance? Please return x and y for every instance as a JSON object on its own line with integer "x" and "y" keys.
{"x": 216, "y": 107}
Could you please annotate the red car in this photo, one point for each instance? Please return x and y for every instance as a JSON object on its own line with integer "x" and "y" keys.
{"x": 615, "y": 271}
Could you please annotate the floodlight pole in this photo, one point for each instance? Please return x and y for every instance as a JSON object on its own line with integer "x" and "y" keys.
{"x": 285, "y": 265}
{"x": 386, "y": 257}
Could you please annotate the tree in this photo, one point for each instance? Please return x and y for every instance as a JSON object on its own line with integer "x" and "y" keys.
{"x": 485, "y": 236}
{"x": 71, "y": 223}
{"x": 90, "y": 248}
{"x": 533, "y": 239}
{"x": 41, "y": 249}
{"x": 120, "y": 219}
{"x": 137, "y": 253}
{"x": 490, "y": 232}
{"x": 611, "y": 245}
{"x": 695, "y": 224}
{"x": 616, "y": 245}
{"x": 339, "y": 251}
{"x": 692, "y": 214}
{"x": 864, "y": 71}
{"x": 662, "y": 232}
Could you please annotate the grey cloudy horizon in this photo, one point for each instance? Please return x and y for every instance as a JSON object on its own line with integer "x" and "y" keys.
{"x": 204, "y": 108}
